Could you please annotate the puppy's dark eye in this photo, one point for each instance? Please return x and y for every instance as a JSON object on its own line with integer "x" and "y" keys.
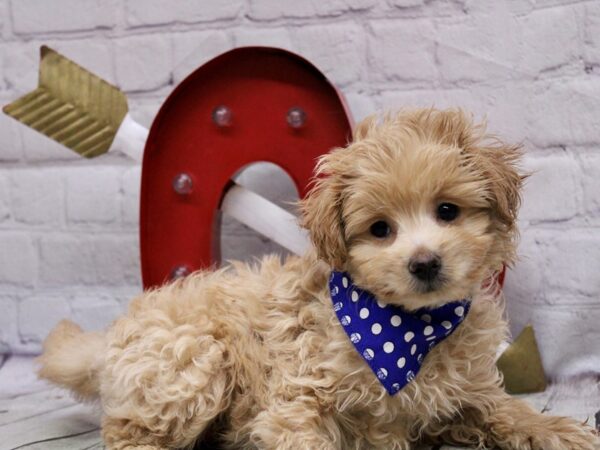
{"x": 447, "y": 212}
{"x": 380, "y": 229}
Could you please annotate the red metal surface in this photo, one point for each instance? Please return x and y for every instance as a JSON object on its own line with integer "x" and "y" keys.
{"x": 259, "y": 85}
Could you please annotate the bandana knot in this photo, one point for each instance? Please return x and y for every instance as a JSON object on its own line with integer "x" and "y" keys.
{"x": 394, "y": 342}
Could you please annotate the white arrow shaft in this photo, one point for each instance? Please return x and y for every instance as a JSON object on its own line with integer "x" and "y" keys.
{"x": 131, "y": 138}
{"x": 265, "y": 217}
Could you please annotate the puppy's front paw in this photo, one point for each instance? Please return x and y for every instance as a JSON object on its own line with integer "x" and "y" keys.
{"x": 552, "y": 433}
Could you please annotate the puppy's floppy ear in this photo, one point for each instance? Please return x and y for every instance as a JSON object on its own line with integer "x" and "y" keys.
{"x": 498, "y": 166}
{"x": 322, "y": 211}
{"x": 499, "y": 163}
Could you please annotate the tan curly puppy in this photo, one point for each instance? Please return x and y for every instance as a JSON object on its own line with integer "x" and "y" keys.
{"x": 259, "y": 353}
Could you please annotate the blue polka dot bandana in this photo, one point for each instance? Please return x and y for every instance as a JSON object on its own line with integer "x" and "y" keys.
{"x": 391, "y": 340}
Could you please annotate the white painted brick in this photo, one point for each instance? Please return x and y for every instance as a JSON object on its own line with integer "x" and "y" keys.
{"x": 338, "y": 50}
{"x": 2, "y": 64}
{"x": 502, "y": 107}
{"x": 36, "y": 196}
{"x": 38, "y": 147}
{"x": 524, "y": 282}
{"x": 143, "y": 63}
{"x": 117, "y": 260}
{"x": 191, "y": 50}
{"x": 402, "y": 50}
{"x": 156, "y": 12}
{"x": 274, "y": 9}
{"x": 4, "y": 196}
{"x": 3, "y": 16}
{"x": 591, "y": 182}
{"x": 95, "y": 312}
{"x": 406, "y": 3}
{"x": 563, "y": 112}
{"x": 572, "y": 257}
{"x": 130, "y": 203}
{"x": 66, "y": 259}
{"x": 39, "y": 313}
{"x": 18, "y": 259}
{"x": 360, "y": 104}
{"x": 21, "y": 61}
{"x": 11, "y": 147}
{"x": 83, "y": 259}
{"x": 92, "y": 194}
{"x": 40, "y": 16}
{"x": 470, "y": 49}
{"x": 549, "y": 39}
{"x": 427, "y": 98}
{"x": 552, "y": 192}
{"x": 144, "y": 110}
{"x": 8, "y": 323}
{"x": 592, "y": 32}
{"x": 268, "y": 37}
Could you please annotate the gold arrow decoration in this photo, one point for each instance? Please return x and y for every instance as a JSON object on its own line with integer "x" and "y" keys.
{"x": 521, "y": 365}
{"x": 72, "y": 106}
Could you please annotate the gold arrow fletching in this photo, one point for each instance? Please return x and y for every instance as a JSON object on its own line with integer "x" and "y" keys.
{"x": 72, "y": 106}
{"x": 521, "y": 365}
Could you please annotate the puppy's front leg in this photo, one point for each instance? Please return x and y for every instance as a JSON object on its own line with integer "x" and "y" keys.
{"x": 511, "y": 424}
{"x": 293, "y": 425}
{"x": 515, "y": 425}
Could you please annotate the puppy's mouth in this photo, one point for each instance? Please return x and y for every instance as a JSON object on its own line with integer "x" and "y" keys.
{"x": 428, "y": 286}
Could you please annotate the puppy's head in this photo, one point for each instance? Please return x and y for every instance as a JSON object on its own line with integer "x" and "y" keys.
{"x": 420, "y": 208}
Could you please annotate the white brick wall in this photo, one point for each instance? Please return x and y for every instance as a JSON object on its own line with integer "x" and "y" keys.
{"x": 68, "y": 226}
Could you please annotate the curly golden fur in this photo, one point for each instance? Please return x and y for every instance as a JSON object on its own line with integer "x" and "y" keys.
{"x": 258, "y": 353}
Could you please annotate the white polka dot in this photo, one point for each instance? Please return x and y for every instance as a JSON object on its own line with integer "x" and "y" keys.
{"x": 446, "y": 324}
{"x": 388, "y": 347}
{"x": 381, "y": 304}
{"x": 345, "y": 282}
{"x": 420, "y": 358}
{"x": 426, "y": 318}
{"x": 337, "y": 306}
{"x": 459, "y": 311}
{"x": 355, "y": 337}
{"x": 396, "y": 321}
{"x": 369, "y": 354}
{"x": 428, "y": 330}
{"x": 413, "y": 349}
{"x": 354, "y": 296}
{"x": 382, "y": 374}
{"x": 346, "y": 320}
{"x": 408, "y": 336}
{"x": 335, "y": 291}
{"x": 364, "y": 313}
{"x": 376, "y": 328}
{"x": 430, "y": 338}
{"x": 401, "y": 362}
{"x": 395, "y": 387}
{"x": 410, "y": 375}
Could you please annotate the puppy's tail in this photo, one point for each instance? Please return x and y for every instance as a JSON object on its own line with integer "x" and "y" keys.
{"x": 73, "y": 359}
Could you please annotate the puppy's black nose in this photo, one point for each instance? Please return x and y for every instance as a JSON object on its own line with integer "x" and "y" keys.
{"x": 425, "y": 266}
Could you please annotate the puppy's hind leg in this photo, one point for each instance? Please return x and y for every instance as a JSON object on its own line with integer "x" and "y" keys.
{"x": 165, "y": 383}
